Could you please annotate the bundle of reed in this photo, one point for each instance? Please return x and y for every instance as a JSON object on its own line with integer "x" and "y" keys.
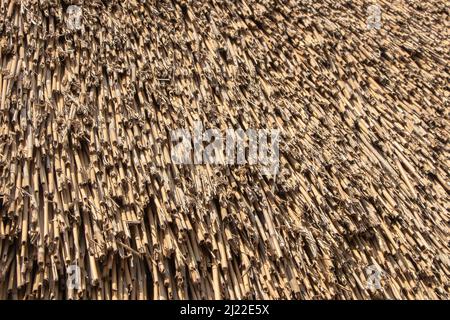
{"x": 86, "y": 176}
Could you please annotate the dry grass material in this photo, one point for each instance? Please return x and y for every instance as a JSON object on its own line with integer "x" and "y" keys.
{"x": 85, "y": 170}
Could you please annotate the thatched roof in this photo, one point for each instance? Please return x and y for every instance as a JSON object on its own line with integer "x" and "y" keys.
{"x": 86, "y": 176}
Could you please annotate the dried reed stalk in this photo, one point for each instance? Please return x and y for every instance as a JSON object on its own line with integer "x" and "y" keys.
{"x": 85, "y": 171}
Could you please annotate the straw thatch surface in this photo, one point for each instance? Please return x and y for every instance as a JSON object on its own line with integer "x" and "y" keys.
{"x": 85, "y": 170}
